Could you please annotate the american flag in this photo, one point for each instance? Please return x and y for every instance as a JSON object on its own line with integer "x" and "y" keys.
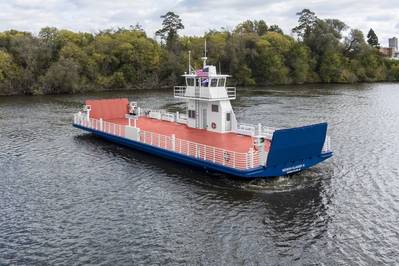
{"x": 201, "y": 73}
{"x": 205, "y": 82}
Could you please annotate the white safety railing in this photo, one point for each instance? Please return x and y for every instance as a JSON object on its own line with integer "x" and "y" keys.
{"x": 181, "y": 118}
{"x": 179, "y": 91}
{"x": 327, "y": 145}
{"x": 100, "y": 125}
{"x": 245, "y": 129}
{"x": 166, "y": 116}
{"x": 231, "y": 92}
{"x": 253, "y": 130}
{"x": 213, "y": 154}
{"x": 233, "y": 159}
{"x": 200, "y": 93}
{"x": 160, "y": 115}
{"x": 268, "y": 131}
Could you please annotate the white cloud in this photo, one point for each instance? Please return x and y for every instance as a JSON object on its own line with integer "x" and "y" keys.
{"x": 198, "y": 16}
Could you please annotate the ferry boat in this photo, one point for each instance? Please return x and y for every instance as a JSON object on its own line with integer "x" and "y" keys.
{"x": 207, "y": 135}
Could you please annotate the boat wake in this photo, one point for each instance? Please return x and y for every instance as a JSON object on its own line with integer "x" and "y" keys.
{"x": 280, "y": 184}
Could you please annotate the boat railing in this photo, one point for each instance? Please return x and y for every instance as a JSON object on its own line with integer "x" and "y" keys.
{"x": 327, "y": 145}
{"x": 268, "y": 131}
{"x": 181, "y": 118}
{"x": 245, "y": 129}
{"x": 237, "y": 160}
{"x": 100, "y": 125}
{"x": 159, "y": 114}
{"x": 179, "y": 91}
{"x": 255, "y": 130}
{"x": 198, "y": 93}
{"x": 168, "y": 117}
{"x": 165, "y": 115}
{"x": 231, "y": 93}
{"x": 228, "y": 158}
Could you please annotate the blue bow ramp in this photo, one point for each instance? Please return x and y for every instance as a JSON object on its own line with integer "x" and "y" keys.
{"x": 296, "y": 144}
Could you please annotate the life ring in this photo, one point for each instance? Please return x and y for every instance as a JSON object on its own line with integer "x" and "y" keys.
{"x": 213, "y": 125}
{"x": 262, "y": 140}
{"x": 255, "y": 146}
{"x": 226, "y": 156}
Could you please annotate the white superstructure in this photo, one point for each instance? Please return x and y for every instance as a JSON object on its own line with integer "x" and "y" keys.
{"x": 208, "y": 100}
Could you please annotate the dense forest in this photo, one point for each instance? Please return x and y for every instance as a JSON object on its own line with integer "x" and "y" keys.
{"x": 62, "y": 61}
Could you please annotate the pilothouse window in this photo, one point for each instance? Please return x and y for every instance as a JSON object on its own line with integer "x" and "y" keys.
{"x": 205, "y": 82}
{"x": 190, "y": 81}
{"x": 214, "y": 82}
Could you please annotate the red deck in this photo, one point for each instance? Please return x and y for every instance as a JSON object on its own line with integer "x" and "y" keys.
{"x": 114, "y": 111}
{"x": 227, "y": 141}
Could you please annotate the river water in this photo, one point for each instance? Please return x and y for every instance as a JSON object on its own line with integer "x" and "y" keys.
{"x": 67, "y": 197}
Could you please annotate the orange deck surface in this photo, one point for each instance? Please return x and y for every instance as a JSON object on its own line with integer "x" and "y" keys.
{"x": 228, "y": 141}
{"x": 108, "y": 108}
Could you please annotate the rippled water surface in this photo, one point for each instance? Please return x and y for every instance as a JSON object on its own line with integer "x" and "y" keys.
{"x": 67, "y": 197}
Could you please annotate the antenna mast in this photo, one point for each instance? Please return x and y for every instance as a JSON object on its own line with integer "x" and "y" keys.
{"x": 205, "y": 48}
{"x": 204, "y": 58}
{"x": 189, "y": 62}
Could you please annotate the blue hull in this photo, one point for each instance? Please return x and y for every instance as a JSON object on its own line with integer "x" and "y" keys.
{"x": 278, "y": 169}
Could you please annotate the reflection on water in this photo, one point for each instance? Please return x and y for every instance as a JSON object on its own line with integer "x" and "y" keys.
{"x": 69, "y": 197}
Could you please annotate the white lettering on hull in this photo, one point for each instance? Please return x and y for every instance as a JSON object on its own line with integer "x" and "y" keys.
{"x": 293, "y": 169}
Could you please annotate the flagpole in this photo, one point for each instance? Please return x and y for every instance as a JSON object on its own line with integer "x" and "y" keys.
{"x": 204, "y": 58}
{"x": 189, "y": 62}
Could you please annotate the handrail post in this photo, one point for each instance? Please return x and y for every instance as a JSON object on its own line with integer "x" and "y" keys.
{"x": 251, "y": 157}
{"x": 214, "y": 154}
{"x": 173, "y": 142}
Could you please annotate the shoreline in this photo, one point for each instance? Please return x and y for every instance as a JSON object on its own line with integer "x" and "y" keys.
{"x": 160, "y": 88}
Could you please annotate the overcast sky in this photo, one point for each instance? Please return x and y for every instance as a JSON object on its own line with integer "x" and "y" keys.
{"x": 198, "y": 16}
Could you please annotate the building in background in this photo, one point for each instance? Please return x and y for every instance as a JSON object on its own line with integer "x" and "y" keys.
{"x": 393, "y": 43}
{"x": 391, "y": 51}
{"x": 387, "y": 51}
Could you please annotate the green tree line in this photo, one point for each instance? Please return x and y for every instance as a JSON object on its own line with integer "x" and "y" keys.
{"x": 254, "y": 53}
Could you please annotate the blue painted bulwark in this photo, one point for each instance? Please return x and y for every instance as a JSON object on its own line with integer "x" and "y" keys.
{"x": 280, "y": 167}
